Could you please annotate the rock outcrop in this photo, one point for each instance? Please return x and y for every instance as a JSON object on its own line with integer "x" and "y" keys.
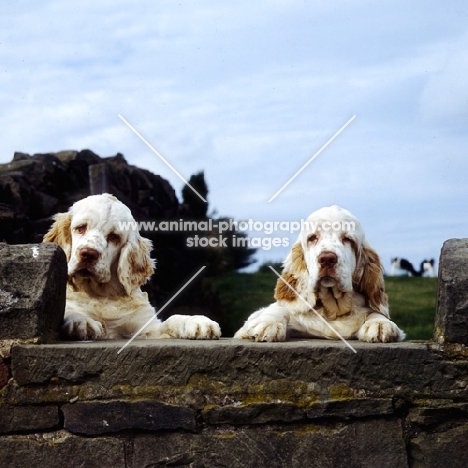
{"x": 33, "y": 188}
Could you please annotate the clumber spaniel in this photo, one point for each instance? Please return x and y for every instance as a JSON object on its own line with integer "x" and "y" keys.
{"x": 335, "y": 272}
{"x": 106, "y": 267}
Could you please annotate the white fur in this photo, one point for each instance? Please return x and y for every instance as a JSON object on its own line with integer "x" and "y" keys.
{"x": 348, "y": 294}
{"x": 106, "y": 267}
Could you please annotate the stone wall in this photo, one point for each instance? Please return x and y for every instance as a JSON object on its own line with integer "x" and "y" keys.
{"x": 304, "y": 403}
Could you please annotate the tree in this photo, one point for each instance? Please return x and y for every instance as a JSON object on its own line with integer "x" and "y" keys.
{"x": 235, "y": 252}
{"x": 194, "y": 204}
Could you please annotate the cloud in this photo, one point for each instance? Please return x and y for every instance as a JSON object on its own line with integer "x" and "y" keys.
{"x": 444, "y": 99}
{"x": 248, "y": 92}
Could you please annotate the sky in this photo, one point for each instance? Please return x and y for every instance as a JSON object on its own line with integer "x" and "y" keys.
{"x": 249, "y": 92}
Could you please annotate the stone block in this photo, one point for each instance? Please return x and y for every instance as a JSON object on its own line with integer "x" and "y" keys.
{"x": 359, "y": 408}
{"x": 261, "y": 413}
{"x": 440, "y": 449}
{"x": 438, "y": 413}
{"x": 311, "y": 370}
{"x": 28, "y": 418}
{"x": 175, "y": 362}
{"x": 98, "y": 417}
{"x": 98, "y": 179}
{"x": 373, "y": 443}
{"x": 59, "y": 449}
{"x": 255, "y": 413}
{"x": 451, "y": 321}
{"x": 32, "y": 291}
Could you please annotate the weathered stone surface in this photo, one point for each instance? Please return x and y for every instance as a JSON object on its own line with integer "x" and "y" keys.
{"x": 33, "y": 188}
{"x": 451, "y": 321}
{"x": 32, "y": 291}
{"x": 314, "y": 370}
{"x": 98, "y": 179}
{"x": 254, "y": 413}
{"x": 358, "y": 408}
{"x": 93, "y": 418}
{"x": 4, "y": 373}
{"x": 261, "y": 413}
{"x": 28, "y": 418}
{"x": 377, "y": 443}
{"x": 439, "y": 412}
{"x": 446, "y": 448}
{"x": 60, "y": 449}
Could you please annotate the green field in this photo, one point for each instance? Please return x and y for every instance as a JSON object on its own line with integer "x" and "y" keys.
{"x": 412, "y": 301}
{"x": 412, "y": 305}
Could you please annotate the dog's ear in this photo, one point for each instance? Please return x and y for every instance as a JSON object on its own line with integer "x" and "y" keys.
{"x": 294, "y": 281}
{"x": 369, "y": 281}
{"x": 60, "y": 233}
{"x": 135, "y": 264}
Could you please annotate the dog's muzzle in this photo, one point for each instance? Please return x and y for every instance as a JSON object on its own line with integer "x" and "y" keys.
{"x": 88, "y": 258}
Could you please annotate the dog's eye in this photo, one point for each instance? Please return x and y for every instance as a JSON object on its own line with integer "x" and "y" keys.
{"x": 347, "y": 240}
{"x": 81, "y": 229}
{"x": 313, "y": 238}
{"x": 113, "y": 238}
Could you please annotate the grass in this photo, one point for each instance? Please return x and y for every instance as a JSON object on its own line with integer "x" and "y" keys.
{"x": 412, "y": 301}
{"x": 412, "y": 305}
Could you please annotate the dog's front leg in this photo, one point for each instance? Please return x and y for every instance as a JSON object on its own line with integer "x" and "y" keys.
{"x": 268, "y": 324}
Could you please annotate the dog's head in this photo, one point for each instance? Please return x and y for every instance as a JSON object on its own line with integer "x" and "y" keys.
{"x": 331, "y": 252}
{"x": 101, "y": 244}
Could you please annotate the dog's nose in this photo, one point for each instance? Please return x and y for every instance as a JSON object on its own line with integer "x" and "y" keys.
{"x": 327, "y": 259}
{"x": 89, "y": 255}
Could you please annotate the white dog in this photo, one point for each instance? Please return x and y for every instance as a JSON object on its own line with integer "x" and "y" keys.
{"x": 106, "y": 267}
{"x": 331, "y": 271}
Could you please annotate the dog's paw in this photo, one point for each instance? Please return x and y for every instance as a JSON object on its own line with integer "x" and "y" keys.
{"x": 380, "y": 331}
{"x": 191, "y": 327}
{"x": 257, "y": 330}
{"x": 82, "y": 328}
